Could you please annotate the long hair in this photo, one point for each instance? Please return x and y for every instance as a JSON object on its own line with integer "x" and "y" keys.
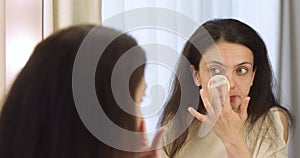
{"x": 39, "y": 117}
{"x": 261, "y": 92}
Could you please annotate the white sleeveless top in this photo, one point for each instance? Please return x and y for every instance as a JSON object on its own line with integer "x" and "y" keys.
{"x": 264, "y": 141}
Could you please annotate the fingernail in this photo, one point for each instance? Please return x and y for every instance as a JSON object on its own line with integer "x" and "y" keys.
{"x": 191, "y": 110}
{"x": 248, "y": 99}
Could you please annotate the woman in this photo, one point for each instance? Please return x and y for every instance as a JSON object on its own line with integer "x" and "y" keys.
{"x": 251, "y": 122}
{"x": 39, "y": 117}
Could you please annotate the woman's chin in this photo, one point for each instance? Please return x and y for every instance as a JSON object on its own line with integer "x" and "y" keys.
{"x": 235, "y": 106}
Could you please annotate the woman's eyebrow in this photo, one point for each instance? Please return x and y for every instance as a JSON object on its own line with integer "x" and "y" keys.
{"x": 215, "y": 62}
{"x": 250, "y": 63}
{"x": 222, "y": 64}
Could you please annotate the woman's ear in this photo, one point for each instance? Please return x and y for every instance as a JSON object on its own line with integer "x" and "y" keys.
{"x": 196, "y": 76}
{"x": 253, "y": 75}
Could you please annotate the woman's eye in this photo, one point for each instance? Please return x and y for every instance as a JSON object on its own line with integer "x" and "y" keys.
{"x": 242, "y": 71}
{"x": 215, "y": 71}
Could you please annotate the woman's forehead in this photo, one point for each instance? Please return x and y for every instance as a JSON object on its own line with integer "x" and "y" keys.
{"x": 228, "y": 54}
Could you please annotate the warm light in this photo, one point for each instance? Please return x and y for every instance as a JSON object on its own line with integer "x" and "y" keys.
{"x": 18, "y": 48}
{"x": 23, "y": 30}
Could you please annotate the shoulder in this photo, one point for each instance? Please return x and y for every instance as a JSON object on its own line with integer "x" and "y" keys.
{"x": 280, "y": 121}
{"x": 269, "y": 135}
{"x": 274, "y": 124}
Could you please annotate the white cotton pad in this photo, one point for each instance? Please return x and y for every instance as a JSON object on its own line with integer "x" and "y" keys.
{"x": 216, "y": 81}
{"x": 218, "y": 86}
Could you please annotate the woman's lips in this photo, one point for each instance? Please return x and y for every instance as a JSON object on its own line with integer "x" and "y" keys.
{"x": 232, "y": 98}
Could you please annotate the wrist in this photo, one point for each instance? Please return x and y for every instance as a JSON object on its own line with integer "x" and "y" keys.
{"x": 237, "y": 148}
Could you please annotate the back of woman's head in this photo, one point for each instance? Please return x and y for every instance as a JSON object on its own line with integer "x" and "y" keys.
{"x": 39, "y": 117}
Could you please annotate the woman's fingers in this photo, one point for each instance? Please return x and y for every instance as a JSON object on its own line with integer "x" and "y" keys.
{"x": 196, "y": 114}
{"x": 157, "y": 140}
{"x": 243, "y": 109}
{"x": 153, "y": 151}
{"x": 207, "y": 104}
{"x": 226, "y": 103}
{"x": 144, "y": 137}
{"x": 205, "y": 100}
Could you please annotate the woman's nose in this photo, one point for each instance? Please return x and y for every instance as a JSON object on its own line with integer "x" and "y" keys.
{"x": 231, "y": 80}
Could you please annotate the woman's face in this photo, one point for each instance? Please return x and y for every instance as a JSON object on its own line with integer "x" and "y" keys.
{"x": 235, "y": 61}
{"x": 140, "y": 91}
{"x": 138, "y": 98}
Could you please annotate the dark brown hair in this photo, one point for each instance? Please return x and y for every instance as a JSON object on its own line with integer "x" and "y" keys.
{"x": 39, "y": 117}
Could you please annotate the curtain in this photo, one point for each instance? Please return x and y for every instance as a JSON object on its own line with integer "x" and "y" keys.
{"x": 63, "y": 13}
{"x": 289, "y": 65}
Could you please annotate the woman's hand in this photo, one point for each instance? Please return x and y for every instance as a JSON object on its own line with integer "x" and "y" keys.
{"x": 226, "y": 123}
{"x": 153, "y": 150}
